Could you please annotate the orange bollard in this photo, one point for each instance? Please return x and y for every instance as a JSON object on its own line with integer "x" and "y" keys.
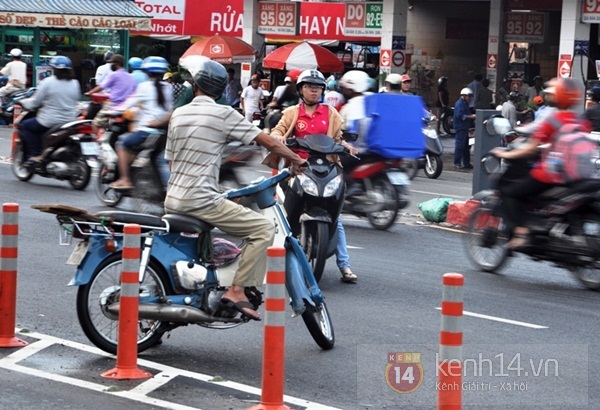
{"x": 129, "y": 312}
{"x": 15, "y": 134}
{"x": 274, "y": 344}
{"x": 450, "y": 355}
{"x": 9, "y": 235}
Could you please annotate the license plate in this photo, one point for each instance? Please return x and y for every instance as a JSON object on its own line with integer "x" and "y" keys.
{"x": 78, "y": 253}
{"x": 398, "y": 178}
{"x": 89, "y": 148}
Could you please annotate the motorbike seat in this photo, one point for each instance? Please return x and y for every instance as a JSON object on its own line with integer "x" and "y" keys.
{"x": 186, "y": 223}
{"x": 147, "y": 222}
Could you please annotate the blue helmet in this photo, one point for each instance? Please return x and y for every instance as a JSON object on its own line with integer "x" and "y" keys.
{"x": 61, "y": 63}
{"x": 155, "y": 65}
{"x": 135, "y": 63}
{"x": 332, "y": 84}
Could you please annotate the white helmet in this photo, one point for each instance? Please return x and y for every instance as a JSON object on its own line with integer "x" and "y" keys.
{"x": 393, "y": 79}
{"x": 466, "y": 91}
{"x": 16, "y": 52}
{"x": 356, "y": 80}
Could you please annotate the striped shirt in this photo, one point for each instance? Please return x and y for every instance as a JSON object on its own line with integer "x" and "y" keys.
{"x": 198, "y": 133}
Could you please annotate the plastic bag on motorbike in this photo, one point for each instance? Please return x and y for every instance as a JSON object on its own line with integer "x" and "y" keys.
{"x": 224, "y": 252}
{"x": 436, "y": 209}
{"x": 396, "y": 129}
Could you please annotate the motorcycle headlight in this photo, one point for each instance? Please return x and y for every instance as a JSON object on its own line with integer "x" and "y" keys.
{"x": 430, "y": 132}
{"x": 332, "y": 186}
{"x": 308, "y": 185}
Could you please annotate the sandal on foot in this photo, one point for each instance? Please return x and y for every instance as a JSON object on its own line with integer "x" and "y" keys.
{"x": 518, "y": 241}
{"x": 240, "y": 306}
{"x": 348, "y": 276}
{"x": 121, "y": 187}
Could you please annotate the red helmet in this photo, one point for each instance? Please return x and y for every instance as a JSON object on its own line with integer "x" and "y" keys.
{"x": 294, "y": 74}
{"x": 567, "y": 92}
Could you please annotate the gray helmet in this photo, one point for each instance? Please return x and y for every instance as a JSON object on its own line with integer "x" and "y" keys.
{"x": 108, "y": 55}
{"x": 210, "y": 77}
{"x": 513, "y": 96}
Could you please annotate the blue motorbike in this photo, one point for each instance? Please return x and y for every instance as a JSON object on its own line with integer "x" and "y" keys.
{"x": 181, "y": 280}
{"x": 7, "y": 104}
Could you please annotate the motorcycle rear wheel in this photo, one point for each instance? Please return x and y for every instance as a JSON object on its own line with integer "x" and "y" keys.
{"x": 448, "y": 123}
{"x": 80, "y": 178}
{"x": 110, "y": 197}
{"x": 589, "y": 276}
{"x": 385, "y": 218}
{"x": 318, "y": 322}
{"x": 22, "y": 172}
{"x": 100, "y": 326}
{"x": 314, "y": 238}
{"x": 433, "y": 166}
{"x": 485, "y": 243}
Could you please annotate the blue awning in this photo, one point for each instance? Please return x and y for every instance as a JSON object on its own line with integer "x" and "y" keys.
{"x": 94, "y": 14}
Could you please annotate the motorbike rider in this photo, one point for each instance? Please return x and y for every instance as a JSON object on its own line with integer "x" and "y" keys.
{"x": 198, "y": 133}
{"x": 56, "y": 103}
{"x": 393, "y": 83}
{"x": 332, "y": 96}
{"x": 311, "y": 117}
{"x": 562, "y": 93}
{"x": 16, "y": 71}
{"x": 135, "y": 69}
{"x": 103, "y": 70}
{"x": 154, "y": 98}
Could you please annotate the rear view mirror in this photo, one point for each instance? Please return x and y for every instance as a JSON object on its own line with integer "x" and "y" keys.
{"x": 349, "y": 136}
{"x": 497, "y": 125}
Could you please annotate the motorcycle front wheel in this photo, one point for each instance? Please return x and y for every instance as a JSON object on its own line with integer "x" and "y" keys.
{"x": 385, "y": 218}
{"x": 314, "y": 238}
{"x": 485, "y": 243}
{"x": 433, "y": 166}
{"x": 318, "y": 322}
{"x": 110, "y": 197}
{"x": 93, "y": 299}
{"x": 22, "y": 172}
{"x": 80, "y": 178}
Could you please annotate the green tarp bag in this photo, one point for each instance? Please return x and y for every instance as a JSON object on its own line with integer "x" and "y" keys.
{"x": 435, "y": 209}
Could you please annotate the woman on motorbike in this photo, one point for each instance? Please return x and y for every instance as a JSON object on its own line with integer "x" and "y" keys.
{"x": 311, "y": 117}
{"x": 56, "y": 103}
{"x": 154, "y": 99}
{"x": 562, "y": 93}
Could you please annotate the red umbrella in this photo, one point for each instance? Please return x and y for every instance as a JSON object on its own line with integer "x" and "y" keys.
{"x": 303, "y": 56}
{"x": 223, "y": 49}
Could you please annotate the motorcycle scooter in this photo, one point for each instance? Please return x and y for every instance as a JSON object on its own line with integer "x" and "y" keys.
{"x": 431, "y": 162}
{"x": 9, "y": 101}
{"x": 180, "y": 281}
{"x": 70, "y": 153}
{"x": 314, "y": 201}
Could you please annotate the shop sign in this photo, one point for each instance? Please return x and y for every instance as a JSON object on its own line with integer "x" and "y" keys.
{"x": 71, "y": 21}
{"x": 208, "y": 18}
{"x": 524, "y": 27}
{"x": 363, "y": 19}
{"x": 167, "y": 15}
{"x": 324, "y": 21}
{"x": 278, "y": 18}
{"x": 591, "y": 11}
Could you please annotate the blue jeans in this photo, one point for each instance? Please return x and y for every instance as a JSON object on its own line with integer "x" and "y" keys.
{"x": 342, "y": 259}
{"x": 133, "y": 141}
{"x": 31, "y": 133}
{"x": 162, "y": 165}
{"x": 461, "y": 148}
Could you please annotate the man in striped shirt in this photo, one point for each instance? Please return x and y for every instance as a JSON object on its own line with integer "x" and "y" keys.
{"x": 198, "y": 133}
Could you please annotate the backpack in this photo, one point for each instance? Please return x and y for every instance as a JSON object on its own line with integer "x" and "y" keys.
{"x": 569, "y": 158}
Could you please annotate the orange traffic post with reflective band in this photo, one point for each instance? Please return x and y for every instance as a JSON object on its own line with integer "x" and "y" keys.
{"x": 9, "y": 236}
{"x": 273, "y": 377}
{"x": 15, "y": 135}
{"x": 450, "y": 354}
{"x": 129, "y": 309}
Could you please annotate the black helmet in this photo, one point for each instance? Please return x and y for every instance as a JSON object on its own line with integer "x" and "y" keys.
{"x": 513, "y": 96}
{"x": 594, "y": 93}
{"x": 442, "y": 80}
{"x": 310, "y": 77}
{"x": 210, "y": 77}
{"x": 108, "y": 55}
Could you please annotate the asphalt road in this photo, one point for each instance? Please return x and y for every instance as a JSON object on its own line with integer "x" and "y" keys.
{"x": 530, "y": 331}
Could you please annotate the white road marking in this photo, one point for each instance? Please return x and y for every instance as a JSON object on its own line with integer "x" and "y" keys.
{"x": 139, "y": 393}
{"x": 503, "y": 320}
{"x": 438, "y": 194}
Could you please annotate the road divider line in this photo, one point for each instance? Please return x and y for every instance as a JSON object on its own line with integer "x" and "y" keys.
{"x": 503, "y": 320}
{"x": 437, "y": 194}
{"x": 138, "y": 393}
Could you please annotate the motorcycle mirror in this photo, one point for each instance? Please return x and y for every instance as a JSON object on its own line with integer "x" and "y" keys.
{"x": 490, "y": 164}
{"x": 497, "y": 125}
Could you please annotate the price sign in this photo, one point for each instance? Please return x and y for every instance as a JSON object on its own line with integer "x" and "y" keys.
{"x": 591, "y": 11}
{"x": 278, "y": 17}
{"x": 363, "y": 19}
{"x": 524, "y": 27}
